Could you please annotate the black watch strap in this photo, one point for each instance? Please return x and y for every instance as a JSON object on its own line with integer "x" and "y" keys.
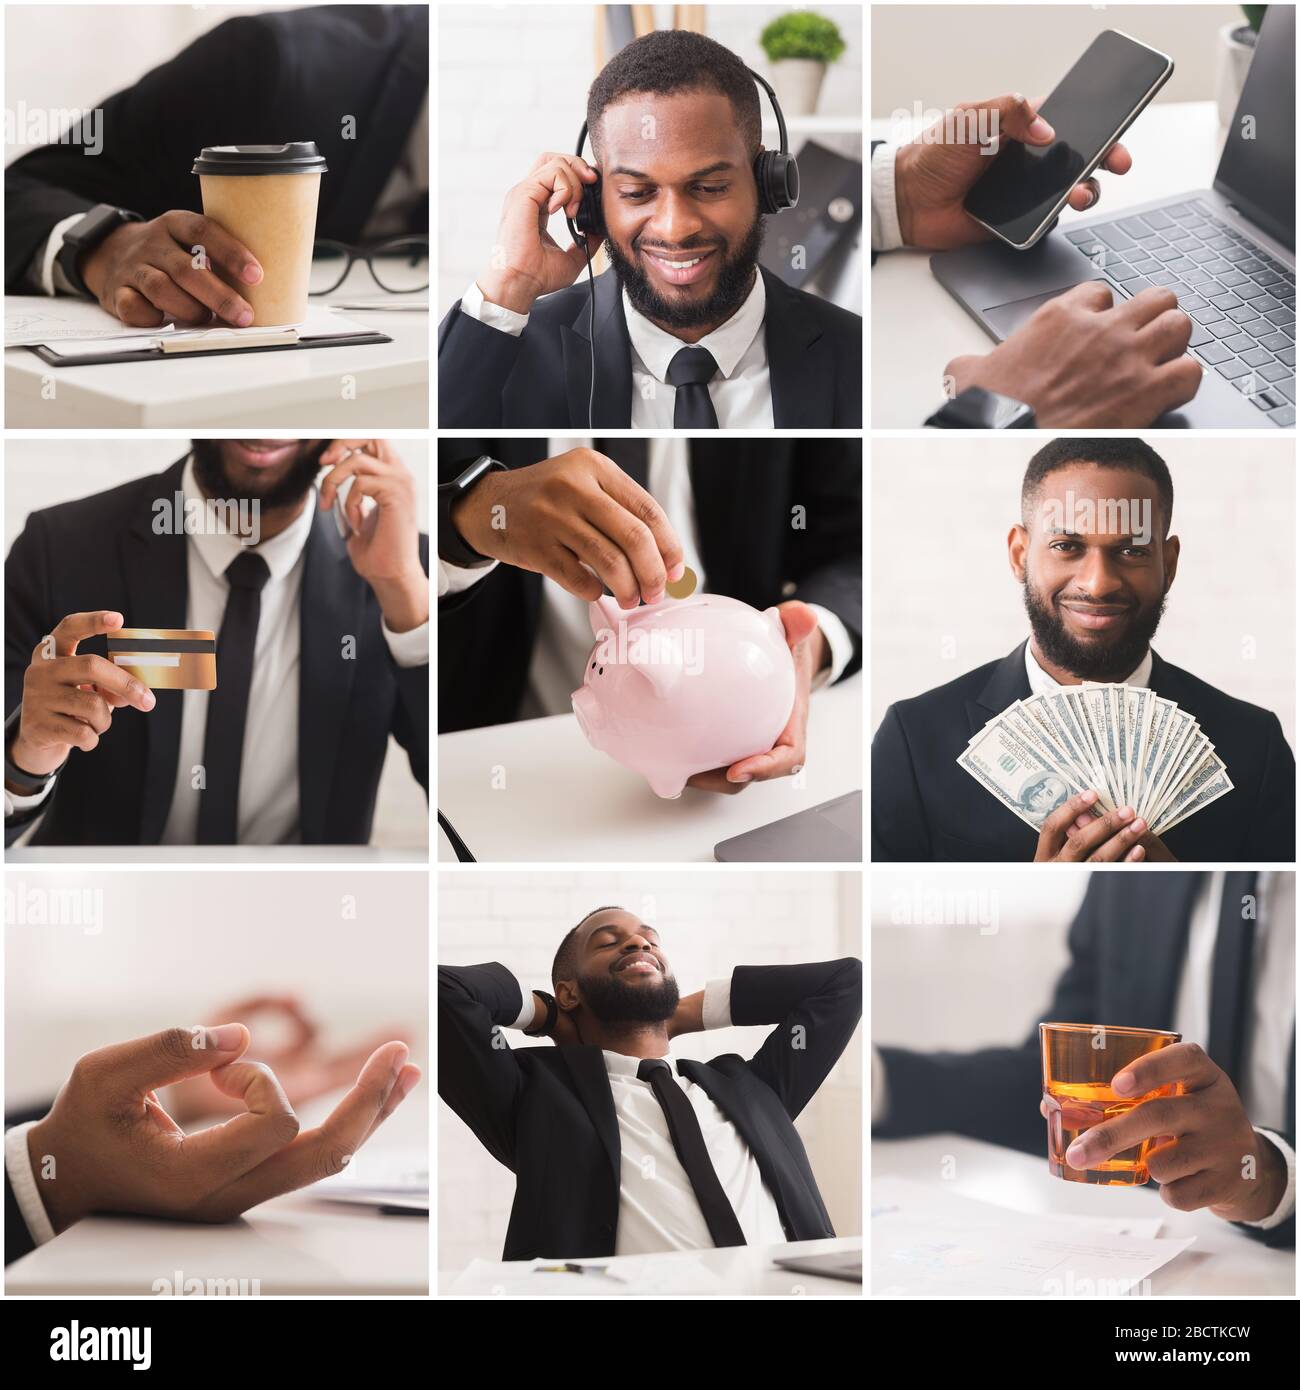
{"x": 552, "y": 1014}
{"x": 85, "y": 235}
{"x": 452, "y": 546}
{"x": 17, "y": 779}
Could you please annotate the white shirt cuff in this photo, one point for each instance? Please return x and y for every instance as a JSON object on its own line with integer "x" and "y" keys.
{"x": 838, "y": 640}
{"x": 455, "y": 579}
{"x": 15, "y": 803}
{"x": 473, "y": 304}
{"x": 716, "y": 1012}
{"x": 408, "y": 648}
{"x": 885, "y": 232}
{"x": 18, "y": 1165}
{"x": 879, "y": 1088}
{"x": 49, "y": 279}
{"x": 1286, "y": 1207}
{"x": 529, "y": 1008}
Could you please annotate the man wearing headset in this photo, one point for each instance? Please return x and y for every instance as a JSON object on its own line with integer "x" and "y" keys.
{"x": 689, "y": 331}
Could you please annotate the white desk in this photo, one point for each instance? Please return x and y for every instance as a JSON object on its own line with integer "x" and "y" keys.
{"x": 564, "y": 801}
{"x": 1224, "y": 1260}
{"x": 296, "y": 1244}
{"x": 387, "y": 384}
{"x": 743, "y": 1270}
{"x": 214, "y": 854}
{"x": 917, "y": 327}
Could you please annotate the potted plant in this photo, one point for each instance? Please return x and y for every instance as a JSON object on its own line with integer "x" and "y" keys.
{"x": 1236, "y": 48}
{"x": 799, "y": 45}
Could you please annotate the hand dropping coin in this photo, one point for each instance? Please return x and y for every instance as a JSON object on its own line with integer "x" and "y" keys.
{"x": 685, "y": 586}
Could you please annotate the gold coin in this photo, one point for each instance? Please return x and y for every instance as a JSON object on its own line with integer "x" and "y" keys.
{"x": 685, "y": 586}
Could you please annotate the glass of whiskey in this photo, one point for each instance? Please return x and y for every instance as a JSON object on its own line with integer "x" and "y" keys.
{"x": 1079, "y": 1060}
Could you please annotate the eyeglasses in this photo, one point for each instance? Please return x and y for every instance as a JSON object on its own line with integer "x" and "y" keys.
{"x": 400, "y": 266}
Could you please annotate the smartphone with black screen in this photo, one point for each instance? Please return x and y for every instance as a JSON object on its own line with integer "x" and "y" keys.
{"x": 1026, "y": 186}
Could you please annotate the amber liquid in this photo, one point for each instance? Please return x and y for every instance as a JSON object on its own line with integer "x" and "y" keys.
{"x": 1073, "y": 1108}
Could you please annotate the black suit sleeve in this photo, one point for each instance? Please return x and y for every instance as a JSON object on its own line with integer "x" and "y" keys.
{"x": 478, "y": 1075}
{"x": 148, "y": 130}
{"x": 1281, "y": 1237}
{"x": 815, "y": 1006}
{"x": 1274, "y": 837}
{"x": 474, "y": 363}
{"x": 18, "y": 1239}
{"x": 411, "y": 720}
{"x": 993, "y": 1093}
{"x": 899, "y": 830}
{"x": 27, "y": 604}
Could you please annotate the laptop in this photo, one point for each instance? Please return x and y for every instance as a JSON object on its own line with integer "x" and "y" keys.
{"x": 1227, "y": 252}
{"x": 827, "y": 834}
{"x": 846, "y": 1265}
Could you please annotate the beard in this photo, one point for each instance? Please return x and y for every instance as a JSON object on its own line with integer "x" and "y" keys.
{"x": 287, "y": 491}
{"x": 613, "y": 1000}
{"x": 1090, "y": 661}
{"x": 734, "y": 283}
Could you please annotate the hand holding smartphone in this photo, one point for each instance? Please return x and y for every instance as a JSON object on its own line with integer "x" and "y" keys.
{"x": 1026, "y": 186}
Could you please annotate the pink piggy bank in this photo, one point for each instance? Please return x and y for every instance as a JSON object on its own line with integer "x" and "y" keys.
{"x": 684, "y": 685}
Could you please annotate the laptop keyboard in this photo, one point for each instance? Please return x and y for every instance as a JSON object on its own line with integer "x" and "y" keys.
{"x": 1241, "y": 300}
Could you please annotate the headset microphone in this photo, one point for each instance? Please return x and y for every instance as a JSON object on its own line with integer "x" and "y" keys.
{"x": 776, "y": 172}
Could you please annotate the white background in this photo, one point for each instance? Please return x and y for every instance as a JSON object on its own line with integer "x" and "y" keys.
{"x": 709, "y": 921}
{"x": 175, "y": 947}
{"x": 41, "y": 472}
{"x": 512, "y": 83}
{"x": 941, "y": 510}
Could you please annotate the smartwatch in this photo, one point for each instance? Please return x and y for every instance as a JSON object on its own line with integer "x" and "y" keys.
{"x": 85, "y": 235}
{"x": 552, "y": 1013}
{"x": 978, "y": 409}
{"x": 452, "y": 546}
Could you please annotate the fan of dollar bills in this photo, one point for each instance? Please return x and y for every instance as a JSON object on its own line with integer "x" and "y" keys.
{"x": 1124, "y": 742}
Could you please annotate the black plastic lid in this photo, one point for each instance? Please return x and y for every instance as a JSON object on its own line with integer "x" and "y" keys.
{"x": 297, "y": 157}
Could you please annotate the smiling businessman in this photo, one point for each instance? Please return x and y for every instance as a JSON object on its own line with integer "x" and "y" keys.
{"x": 1094, "y": 591}
{"x": 618, "y": 1148}
{"x": 689, "y": 331}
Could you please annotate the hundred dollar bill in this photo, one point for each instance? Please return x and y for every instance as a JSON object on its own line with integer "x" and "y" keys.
{"x": 1013, "y": 771}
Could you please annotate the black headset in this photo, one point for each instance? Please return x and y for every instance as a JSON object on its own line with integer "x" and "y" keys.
{"x": 776, "y": 172}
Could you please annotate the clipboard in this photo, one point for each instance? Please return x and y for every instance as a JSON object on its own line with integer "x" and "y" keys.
{"x": 156, "y": 353}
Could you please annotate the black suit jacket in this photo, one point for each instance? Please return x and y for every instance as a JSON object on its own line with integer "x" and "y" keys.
{"x": 255, "y": 79}
{"x": 547, "y": 1113}
{"x": 1127, "y": 947}
{"x": 101, "y": 552}
{"x": 542, "y": 378}
{"x": 749, "y": 549}
{"x": 924, "y": 807}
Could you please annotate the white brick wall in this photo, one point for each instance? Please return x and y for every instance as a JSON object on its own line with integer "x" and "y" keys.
{"x": 710, "y": 920}
{"x": 513, "y": 83}
{"x": 940, "y": 512}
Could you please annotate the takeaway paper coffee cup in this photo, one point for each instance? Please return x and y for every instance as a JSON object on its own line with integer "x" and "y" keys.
{"x": 265, "y": 196}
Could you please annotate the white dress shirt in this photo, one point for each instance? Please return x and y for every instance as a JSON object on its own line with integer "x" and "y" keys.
{"x": 657, "y": 1206}
{"x": 885, "y": 232}
{"x": 741, "y": 390}
{"x": 1269, "y": 1029}
{"x": 1040, "y": 683}
{"x": 564, "y": 636}
{"x": 268, "y": 780}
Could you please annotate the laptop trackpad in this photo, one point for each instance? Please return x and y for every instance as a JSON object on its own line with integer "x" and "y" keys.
{"x": 1004, "y": 319}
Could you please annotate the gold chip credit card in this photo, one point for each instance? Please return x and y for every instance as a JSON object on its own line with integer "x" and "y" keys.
{"x": 166, "y": 658}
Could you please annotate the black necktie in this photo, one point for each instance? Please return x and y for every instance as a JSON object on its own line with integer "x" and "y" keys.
{"x": 631, "y": 455}
{"x": 1230, "y": 978}
{"x": 688, "y": 1139}
{"x": 223, "y": 739}
{"x": 690, "y": 372}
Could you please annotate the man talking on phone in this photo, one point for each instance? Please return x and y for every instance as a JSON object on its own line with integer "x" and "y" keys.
{"x": 1081, "y": 361}
{"x": 687, "y": 331}
{"x": 321, "y": 611}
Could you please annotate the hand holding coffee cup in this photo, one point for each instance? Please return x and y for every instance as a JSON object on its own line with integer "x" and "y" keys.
{"x": 179, "y": 267}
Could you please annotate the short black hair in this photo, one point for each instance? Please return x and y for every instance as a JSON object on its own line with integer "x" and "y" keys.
{"x": 675, "y": 60}
{"x": 1133, "y": 454}
{"x": 565, "y": 964}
